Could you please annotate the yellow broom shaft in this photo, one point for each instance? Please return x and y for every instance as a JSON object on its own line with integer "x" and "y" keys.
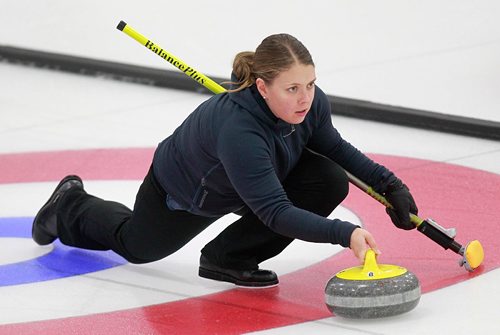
{"x": 175, "y": 61}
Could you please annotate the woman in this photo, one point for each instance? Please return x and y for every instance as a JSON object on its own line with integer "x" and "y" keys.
{"x": 266, "y": 150}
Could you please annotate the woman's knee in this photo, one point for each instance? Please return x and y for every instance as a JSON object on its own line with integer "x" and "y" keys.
{"x": 336, "y": 182}
{"x": 317, "y": 184}
{"x": 145, "y": 254}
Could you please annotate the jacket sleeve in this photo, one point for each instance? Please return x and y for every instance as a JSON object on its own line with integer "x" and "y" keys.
{"x": 327, "y": 141}
{"x": 247, "y": 161}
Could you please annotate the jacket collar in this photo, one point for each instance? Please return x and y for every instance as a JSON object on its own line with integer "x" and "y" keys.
{"x": 251, "y": 100}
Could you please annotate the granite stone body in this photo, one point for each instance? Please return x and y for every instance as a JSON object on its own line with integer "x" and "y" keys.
{"x": 363, "y": 299}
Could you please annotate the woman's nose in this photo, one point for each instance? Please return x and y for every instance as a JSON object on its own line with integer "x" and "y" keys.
{"x": 305, "y": 97}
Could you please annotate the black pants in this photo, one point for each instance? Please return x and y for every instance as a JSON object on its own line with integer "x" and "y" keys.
{"x": 152, "y": 231}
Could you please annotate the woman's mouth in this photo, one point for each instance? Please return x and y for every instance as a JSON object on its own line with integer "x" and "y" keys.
{"x": 302, "y": 112}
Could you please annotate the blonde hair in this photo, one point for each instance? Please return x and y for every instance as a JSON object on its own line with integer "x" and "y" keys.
{"x": 275, "y": 54}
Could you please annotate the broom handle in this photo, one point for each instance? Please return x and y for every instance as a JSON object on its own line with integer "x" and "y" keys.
{"x": 175, "y": 61}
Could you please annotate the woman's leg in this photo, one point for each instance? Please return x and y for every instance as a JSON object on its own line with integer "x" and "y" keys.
{"x": 148, "y": 233}
{"x": 316, "y": 184}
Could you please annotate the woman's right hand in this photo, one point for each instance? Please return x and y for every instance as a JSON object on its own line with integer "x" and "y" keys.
{"x": 361, "y": 241}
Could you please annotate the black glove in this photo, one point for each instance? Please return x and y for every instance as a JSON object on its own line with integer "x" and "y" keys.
{"x": 403, "y": 204}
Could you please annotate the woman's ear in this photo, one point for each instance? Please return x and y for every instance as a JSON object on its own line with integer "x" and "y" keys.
{"x": 261, "y": 87}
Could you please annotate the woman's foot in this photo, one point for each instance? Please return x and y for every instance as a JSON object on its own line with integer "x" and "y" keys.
{"x": 44, "y": 230}
{"x": 255, "y": 278}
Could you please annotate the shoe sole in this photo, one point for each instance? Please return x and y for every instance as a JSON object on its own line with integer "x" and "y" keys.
{"x": 205, "y": 273}
{"x": 40, "y": 240}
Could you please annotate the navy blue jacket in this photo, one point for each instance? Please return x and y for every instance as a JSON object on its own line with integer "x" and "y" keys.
{"x": 232, "y": 151}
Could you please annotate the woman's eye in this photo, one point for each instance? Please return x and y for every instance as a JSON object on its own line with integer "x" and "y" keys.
{"x": 292, "y": 89}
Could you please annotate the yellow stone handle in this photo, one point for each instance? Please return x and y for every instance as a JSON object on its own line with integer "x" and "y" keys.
{"x": 370, "y": 262}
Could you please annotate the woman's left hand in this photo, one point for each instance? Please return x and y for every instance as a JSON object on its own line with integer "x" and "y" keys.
{"x": 403, "y": 204}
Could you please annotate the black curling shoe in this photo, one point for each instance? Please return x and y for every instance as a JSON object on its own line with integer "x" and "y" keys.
{"x": 44, "y": 230}
{"x": 247, "y": 278}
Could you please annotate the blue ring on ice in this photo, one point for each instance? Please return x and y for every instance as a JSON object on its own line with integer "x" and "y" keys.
{"x": 61, "y": 262}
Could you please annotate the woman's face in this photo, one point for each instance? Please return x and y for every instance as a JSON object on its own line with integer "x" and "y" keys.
{"x": 291, "y": 93}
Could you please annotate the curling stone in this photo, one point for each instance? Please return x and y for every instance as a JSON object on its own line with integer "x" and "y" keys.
{"x": 372, "y": 290}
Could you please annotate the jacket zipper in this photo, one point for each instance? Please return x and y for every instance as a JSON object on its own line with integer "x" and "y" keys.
{"x": 292, "y": 129}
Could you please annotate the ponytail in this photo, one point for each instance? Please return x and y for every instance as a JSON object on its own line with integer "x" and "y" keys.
{"x": 243, "y": 70}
